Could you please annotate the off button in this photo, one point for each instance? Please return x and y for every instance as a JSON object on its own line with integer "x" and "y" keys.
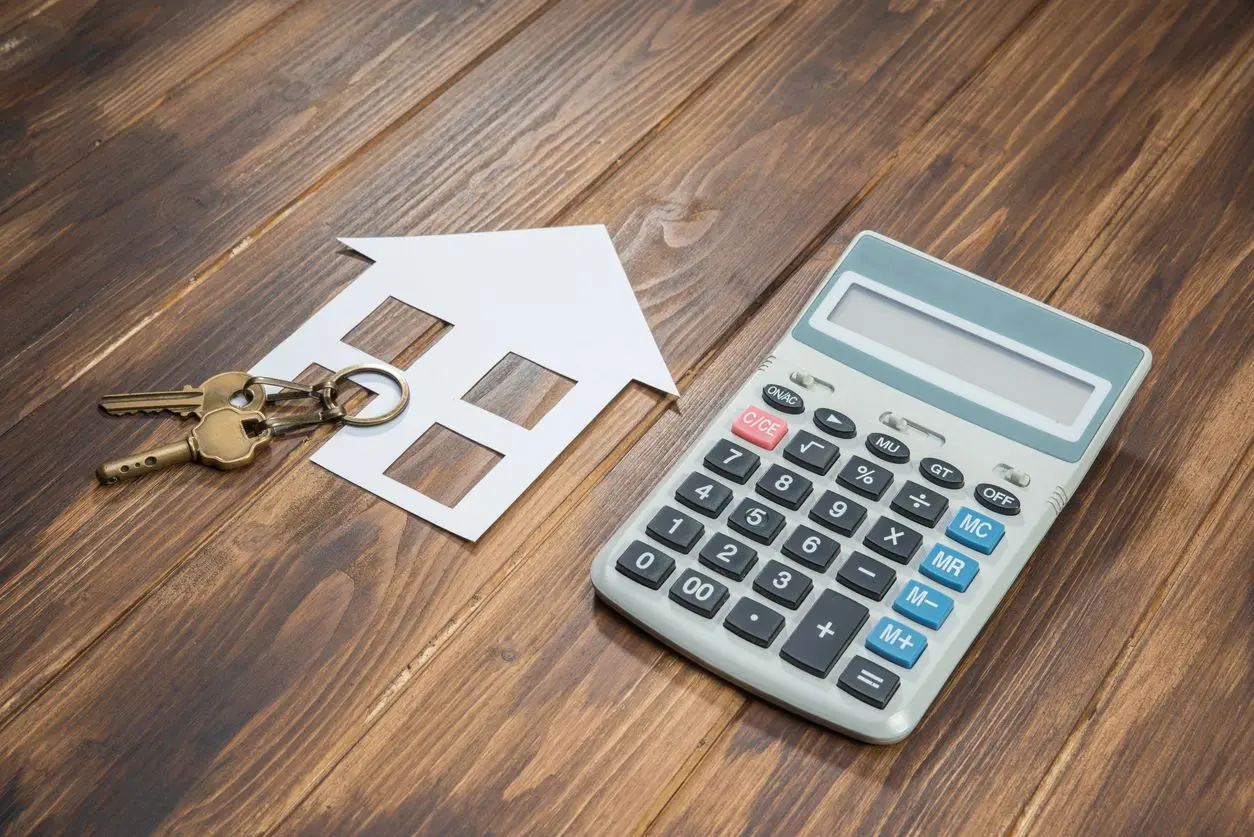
{"x": 997, "y": 499}
{"x": 783, "y": 399}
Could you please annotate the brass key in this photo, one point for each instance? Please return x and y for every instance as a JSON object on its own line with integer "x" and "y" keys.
{"x": 226, "y": 438}
{"x": 213, "y": 394}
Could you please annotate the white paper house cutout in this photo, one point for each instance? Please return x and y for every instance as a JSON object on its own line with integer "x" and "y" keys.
{"x": 557, "y": 297}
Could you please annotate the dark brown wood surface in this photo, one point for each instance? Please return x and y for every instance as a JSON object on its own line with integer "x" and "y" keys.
{"x": 275, "y": 650}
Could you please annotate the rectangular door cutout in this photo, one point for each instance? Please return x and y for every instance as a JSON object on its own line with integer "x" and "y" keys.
{"x": 519, "y": 391}
{"x": 443, "y": 465}
{"x": 396, "y": 333}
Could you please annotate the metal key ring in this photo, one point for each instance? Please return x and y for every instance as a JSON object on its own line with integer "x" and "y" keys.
{"x": 385, "y": 371}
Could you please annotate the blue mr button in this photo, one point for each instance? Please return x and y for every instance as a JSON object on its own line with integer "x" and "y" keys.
{"x": 970, "y": 528}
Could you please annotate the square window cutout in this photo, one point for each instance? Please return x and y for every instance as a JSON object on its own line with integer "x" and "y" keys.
{"x": 396, "y": 333}
{"x": 443, "y": 465}
{"x": 519, "y": 391}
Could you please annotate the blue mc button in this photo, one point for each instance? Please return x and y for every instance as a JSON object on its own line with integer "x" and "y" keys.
{"x": 970, "y": 528}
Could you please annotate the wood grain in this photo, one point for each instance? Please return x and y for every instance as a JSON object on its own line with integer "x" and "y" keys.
{"x": 383, "y": 586}
{"x": 202, "y": 176}
{"x": 548, "y": 719}
{"x": 60, "y": 595}
{"x": 80, "y": 71}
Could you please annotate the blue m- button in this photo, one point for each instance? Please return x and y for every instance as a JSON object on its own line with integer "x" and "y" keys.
{"x": 970, "y": 528}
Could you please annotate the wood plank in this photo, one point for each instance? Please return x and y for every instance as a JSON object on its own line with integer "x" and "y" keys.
{"x": 408, "y": 585}
{"x": 1171, "y": 737}
{"x": 563, "y": 711}
{"x": 80, "y": 71}
{"x": 1032, "y": 675}
{"x": 206, "y": 173}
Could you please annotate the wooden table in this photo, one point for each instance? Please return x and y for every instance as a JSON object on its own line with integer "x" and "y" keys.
{"x": 276, "y": 650}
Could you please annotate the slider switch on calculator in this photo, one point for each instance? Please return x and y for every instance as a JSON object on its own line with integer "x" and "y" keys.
{"x": 824, "y": 633}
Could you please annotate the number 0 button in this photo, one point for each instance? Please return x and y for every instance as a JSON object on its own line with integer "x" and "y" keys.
{"x": 699, "y": 593}
{"x": 645, "y": 564}
{"x": 782, "y": 584}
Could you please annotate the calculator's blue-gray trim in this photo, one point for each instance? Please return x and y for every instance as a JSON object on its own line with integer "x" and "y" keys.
{"x": 984, "y": 303}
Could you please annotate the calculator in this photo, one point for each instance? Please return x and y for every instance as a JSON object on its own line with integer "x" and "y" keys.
{"x": 835, "y": 539}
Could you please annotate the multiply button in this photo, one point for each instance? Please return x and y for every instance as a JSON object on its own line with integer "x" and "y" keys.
{"x": 896, "y": 642}
{"x": 760, "y": 427}
{"x": 887, "y": 448}
{"x": 783, "y": 399}
{"x": 978, "y": 531}
{"x": 893, "y": 540}
{"x": 997, "y": 499}
{"x": 941, "y": 473}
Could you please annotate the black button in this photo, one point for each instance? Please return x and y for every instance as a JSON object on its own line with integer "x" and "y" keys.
{"x": 699, "y": 593}
{"x": 840, "y": 514}
{"x": 700, "y": 493}
{"x": 753, "y": 621}
{"x": 783, "y": 399}
{"x": 811, "y": 452}
{"x": 784, "y": 487}
{"x": 808, "y": 547}
{"x": 675, "y": 529}
{"x": 922, "y": 505}
{"x": 824, "y": 633}
{"x": 866, "y": 478}
{"x": 997, "y": 499}
{"x": 754, "y": 520}
{"x": 728, "y": 556}
{"x": 887, "y": 448}
{"x": 868, "y": 682}
{"x": 732, "y": 461}
{"x": 837, "y": 424}
{"x": 646, "y": 564}
{"x": 867, "y": 576}
{"x": 893, "y": 540}
{"x": 781, "y": 583}
{"x": 941, "y": 472}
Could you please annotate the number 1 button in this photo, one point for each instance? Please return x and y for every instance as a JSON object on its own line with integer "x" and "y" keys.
{"x": 675, "y": 529}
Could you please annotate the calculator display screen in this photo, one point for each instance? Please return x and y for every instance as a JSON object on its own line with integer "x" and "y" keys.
{"x": 932, "y": 342}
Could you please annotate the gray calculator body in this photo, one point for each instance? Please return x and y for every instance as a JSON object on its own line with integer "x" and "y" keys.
{"x": 912, "y": 364}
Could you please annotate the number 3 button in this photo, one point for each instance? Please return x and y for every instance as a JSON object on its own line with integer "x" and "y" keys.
{"x": 783, "y": 585}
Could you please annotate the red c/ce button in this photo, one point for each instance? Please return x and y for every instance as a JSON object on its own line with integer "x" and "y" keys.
{"x": 760, "y": 427}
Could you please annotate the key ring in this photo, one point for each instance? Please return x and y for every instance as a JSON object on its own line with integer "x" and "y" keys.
{"x": 378, "y": 368}
{"x": 327, "y": 391}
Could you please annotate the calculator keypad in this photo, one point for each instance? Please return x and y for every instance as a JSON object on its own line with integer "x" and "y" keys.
{"x": 675, "y": 529}
{"x": 756, "y": 521}
{"x": 865, "y": 478}
{"x": 753, "y": 567}
{"x": 702, "y": 494}
{"x": 784, "y": 487}
{"x": 783, "y": 584}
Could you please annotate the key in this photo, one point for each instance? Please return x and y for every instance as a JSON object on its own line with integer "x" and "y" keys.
{"x": 220, "y": 440}
{"x": 213, "y": 394}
